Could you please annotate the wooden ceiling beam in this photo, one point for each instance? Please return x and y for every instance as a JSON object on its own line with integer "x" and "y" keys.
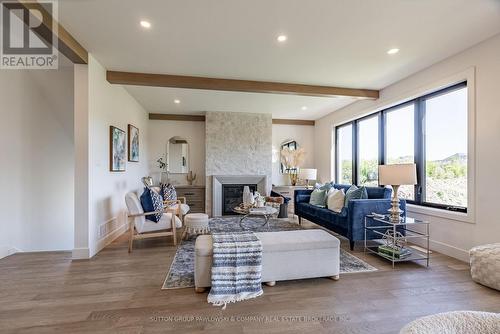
{"x": 66, "y": 44}
{"x": 201, "y": 118}
{"x": 233, "y": 85}
{"x": 293, "y": 121}
{"x": 172, "y": 117}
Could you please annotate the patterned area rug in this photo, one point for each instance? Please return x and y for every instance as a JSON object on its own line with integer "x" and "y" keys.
{"x": 181, "y": 273}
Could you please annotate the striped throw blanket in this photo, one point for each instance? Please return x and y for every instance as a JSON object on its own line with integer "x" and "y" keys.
{"x": 236, "y": 268}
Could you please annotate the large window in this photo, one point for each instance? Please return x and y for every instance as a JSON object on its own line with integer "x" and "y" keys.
{"x": 399, "y": 141}
{"x": 368, "y": 151}
{"x": 430, "y": 131}
{"x": 446, "y": 149}
{"x": 344, "y": 154}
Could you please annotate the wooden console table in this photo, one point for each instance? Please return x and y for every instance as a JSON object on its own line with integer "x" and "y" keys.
{"x": 195, "y": 197}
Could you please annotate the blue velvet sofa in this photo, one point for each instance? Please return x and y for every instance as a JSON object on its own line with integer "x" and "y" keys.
{"x": 350, "y": 221}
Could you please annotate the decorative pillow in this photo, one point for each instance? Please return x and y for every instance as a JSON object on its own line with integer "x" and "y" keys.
{"x": 335, "y": 200}
{"x": 326, "y": 186}
{"x": 318, "y": 198}
{"x": 355, "y": 193}
{"x": 152, "y": 201}
{"x": 168, "y": 192}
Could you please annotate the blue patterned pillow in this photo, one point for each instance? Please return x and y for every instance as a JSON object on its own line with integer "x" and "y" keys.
{"x": 168, "y": 192}
{"x": 355, "y": 193}
{"x": 152, "y": 201}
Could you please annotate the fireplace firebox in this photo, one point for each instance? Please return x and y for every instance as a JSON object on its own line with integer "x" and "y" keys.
{"x": 232, "y": 196}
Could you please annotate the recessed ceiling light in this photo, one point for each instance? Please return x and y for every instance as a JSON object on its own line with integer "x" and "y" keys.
{"x": 282, "y": 38}
{"x": 392, "y": 51}
{"x": 304, "y": 108}
{"x": 145, "y": 24}
{"x": 177, "y": 101}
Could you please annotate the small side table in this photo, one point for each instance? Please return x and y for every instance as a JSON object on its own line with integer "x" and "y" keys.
{"x": 407, "y": 225}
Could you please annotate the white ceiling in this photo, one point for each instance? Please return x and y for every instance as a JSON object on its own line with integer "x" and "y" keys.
{"x": 160, "y": 100}
{"x": 330, "y": 42}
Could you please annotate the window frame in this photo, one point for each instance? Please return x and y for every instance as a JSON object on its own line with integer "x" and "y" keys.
{"x": 419, "y": 144}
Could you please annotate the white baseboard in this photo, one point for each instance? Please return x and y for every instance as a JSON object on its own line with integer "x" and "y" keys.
{"x": 443, "y": 248}
{"x": 80, "y": 254}
{"x": 110, "y": 238}
{"x": 455, "y": 252}
{"x": 8, "y": 250}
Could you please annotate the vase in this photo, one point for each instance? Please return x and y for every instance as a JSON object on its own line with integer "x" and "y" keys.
{"x": 293, "y": 179}
{"x": 246, "y": 195}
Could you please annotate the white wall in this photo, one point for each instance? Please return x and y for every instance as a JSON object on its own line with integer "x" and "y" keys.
{"x": 450, "y": 234}
{"x": 161, "y": 131}
{"x": 159, "y": 134}
{"x": 36, "y": 170}
{"x": 304, "y": 136}
{"x": 108, "y": 105}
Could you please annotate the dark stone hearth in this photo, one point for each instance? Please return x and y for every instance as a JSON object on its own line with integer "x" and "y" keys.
{"x": 232, "y": 196}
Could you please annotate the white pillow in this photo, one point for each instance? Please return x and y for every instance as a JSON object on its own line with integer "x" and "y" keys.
{"x": 335, "y": 200}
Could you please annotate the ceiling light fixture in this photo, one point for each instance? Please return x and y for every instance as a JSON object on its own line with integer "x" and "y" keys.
{"x": 145, "y": 24}
{"x": 177, "y": 101}
{"x": 393, "y": 51}
{"x": 282, "y": 38}
{"x": 304, "y": 108}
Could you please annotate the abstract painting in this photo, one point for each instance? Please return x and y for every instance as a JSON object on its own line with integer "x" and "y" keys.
{"x": 133, "y": 143}
{"x": 118, "y": 149}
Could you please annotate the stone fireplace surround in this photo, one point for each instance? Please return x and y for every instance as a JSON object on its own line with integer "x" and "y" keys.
{"x": 237, "y": 144}
{"x": 219, "y": 180}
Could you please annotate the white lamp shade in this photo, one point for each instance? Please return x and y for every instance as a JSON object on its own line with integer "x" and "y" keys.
{"x": 308, "y": 174}
{"x": 396, "y": 175}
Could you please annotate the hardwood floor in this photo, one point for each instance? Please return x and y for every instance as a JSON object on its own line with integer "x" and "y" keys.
{"x": 118, "y": 292}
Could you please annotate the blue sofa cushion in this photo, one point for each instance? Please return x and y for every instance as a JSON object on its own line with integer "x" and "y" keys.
{"x": 378, "y": 192}
{"x": 373, "y": 192}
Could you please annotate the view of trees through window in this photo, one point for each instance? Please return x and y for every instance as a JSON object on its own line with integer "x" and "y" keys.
{"x": 344, "y": 147}
{"x": 400, "y": 142}
{"x": 368, "y": 151}
{"x": 440, "y": 154}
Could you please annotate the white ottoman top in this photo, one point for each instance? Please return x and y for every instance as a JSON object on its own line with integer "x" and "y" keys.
{"x": 196, "y": 218}
{"x": 280, "y": 241}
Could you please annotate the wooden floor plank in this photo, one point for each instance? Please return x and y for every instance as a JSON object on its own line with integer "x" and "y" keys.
{"x": 118, "y": 292}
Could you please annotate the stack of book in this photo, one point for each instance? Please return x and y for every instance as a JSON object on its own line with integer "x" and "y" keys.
{"x": 397, "y": 253}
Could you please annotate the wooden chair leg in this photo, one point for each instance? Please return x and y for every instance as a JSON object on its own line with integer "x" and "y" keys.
{"x": 131, "y": 238}
{"x": 174, "y": 230}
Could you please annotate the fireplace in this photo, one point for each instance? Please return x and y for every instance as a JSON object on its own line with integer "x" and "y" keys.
{"x": 227, "y": 191}
{"x": 232, "y": 196}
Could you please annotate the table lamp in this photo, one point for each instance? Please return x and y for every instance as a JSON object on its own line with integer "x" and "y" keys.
{"x": 308, "y": 174}
{"x": 395, "y": 176}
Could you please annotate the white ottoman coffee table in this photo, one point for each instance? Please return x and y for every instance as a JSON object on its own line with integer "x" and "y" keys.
{"x": 196, "y": 223}
{"x": 485, "y": 265}
{"x": 286, "y": 255}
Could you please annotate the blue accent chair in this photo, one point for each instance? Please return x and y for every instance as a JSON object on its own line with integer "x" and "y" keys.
{"x": 350, "y": 221}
